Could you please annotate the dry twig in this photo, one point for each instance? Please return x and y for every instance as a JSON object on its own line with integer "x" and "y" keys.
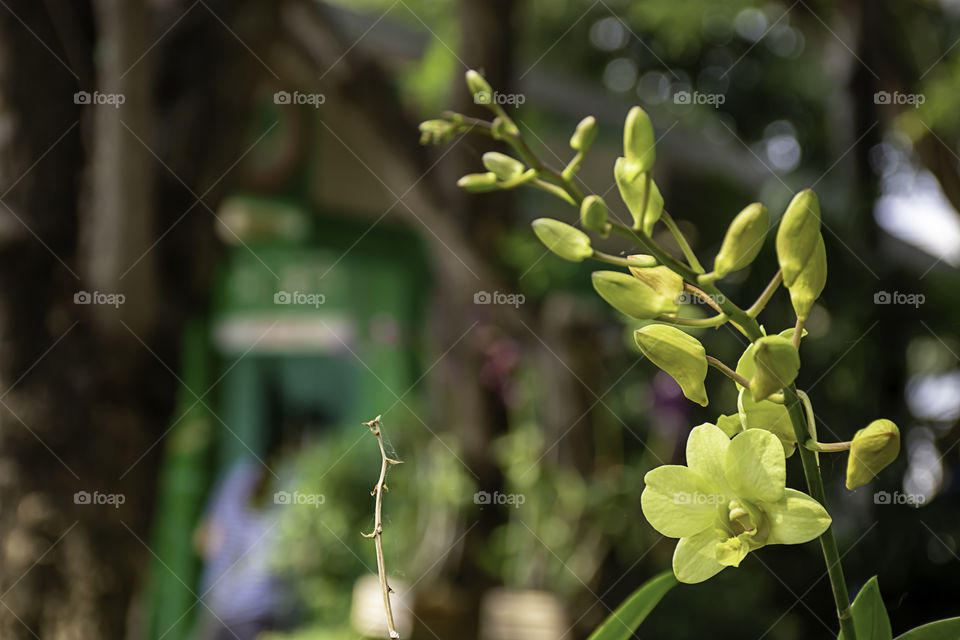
{"x": 377, "y": 534}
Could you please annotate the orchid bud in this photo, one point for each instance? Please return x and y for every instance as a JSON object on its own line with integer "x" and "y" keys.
{"x": 632, "y": 185}
{"x": 479, "y": 87}
{"x": 661, "y": 279}
{"x": 584, "y": 135}
{"x": 628, "y": 295}
{"x": 798, "y": 234}
{"x": 743, "y": 240}
{"x": 638, "y": 140}
{"x": 502, "y": 165}
{"x": 810, "y": 282}
{"x": 436, "y": 131}
{"x": 594, "y": 214}
{"x": 873, "y": 448}
{"x": 562, "y": 239}
{"x": 679, "y": 354}
{"x": 777, "y": 364}
{"x": 479, "y": 182}
{"x": 730, "y": 424}
{"x": 642, "y": 260}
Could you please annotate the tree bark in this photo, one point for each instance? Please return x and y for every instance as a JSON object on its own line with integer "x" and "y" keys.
{"x": 87, "y": 389}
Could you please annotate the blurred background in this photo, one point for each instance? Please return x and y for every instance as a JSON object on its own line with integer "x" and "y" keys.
{"x": 223, "y": 249}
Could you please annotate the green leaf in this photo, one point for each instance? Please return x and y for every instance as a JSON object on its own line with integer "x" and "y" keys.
{"x": 627, "y": 618}
{"x": 870, "y": 615}
{"x": 947, "y": 629}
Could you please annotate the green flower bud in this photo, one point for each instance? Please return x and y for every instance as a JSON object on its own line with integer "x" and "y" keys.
{"x": 743, "y": 240}
{"x": 678, "y": 354}
{"x": 480, "y": 88}
{"x": 584, "y": 135}
{"x": 798, "y": 234}
{"x": 502, "y": 165}
{"x": 479, "y": 182}
{"x": 873, "y": 448}
{"x": 631, "y": 185}
{"x": 776, "y": 363}
{"x": 769, "y": 416}
{"x": 810, "y": 282}
{"x": 730, "y": 424}
{"x": 562, "y": 239}
{"x": 642, "y": 260}
{"x": 436, "y": 131}
{"x": 594, "y": 214}
{"x": 628, "y": 295}
{"x": 638, "y": 140}
{"x": 661, "y": 279}
{"x": 502, "y": 129}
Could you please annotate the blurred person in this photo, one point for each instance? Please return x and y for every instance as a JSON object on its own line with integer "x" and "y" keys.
{"x": 242, "y": 594}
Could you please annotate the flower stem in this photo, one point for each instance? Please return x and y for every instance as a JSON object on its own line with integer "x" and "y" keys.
{"x": 682, "y": 241}
{"x": 730, "y": 373}
{"x": 764, "y": 298}
{"x": 828, "y": 543}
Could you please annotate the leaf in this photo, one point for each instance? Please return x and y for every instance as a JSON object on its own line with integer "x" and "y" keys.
{"x": 627, "y": 618}
{"x": 870, "y": 615}
{"x": 948, "y": 629}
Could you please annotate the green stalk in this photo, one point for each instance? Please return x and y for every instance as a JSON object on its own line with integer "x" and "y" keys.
{"x": 682, "y": 241}
{"x": 811, "y": 471}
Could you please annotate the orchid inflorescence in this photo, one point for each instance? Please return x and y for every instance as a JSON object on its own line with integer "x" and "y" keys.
{"x": 731, "y": 497}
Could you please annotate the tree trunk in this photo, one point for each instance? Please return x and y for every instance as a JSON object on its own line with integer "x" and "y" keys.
{"x": 92, "y": 198}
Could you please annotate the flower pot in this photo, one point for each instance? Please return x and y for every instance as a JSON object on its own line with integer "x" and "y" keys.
{"x": 520, "y": 614}
{"x": 366, "y": 609}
